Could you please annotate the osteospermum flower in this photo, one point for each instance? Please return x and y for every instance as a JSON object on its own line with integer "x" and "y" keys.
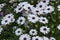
{"x": 33, "y": 32}
{"x": 45, "y": 1}
{"x": 18, "y": 31}
{"x": 1, "y": 6}
{"x": 18, "y": 9}
{"x": 28, "y": 7}
{"x": 41, "y": 5}
{"x": 44, "y": 30}
{"x": 9, "y": 16}
{"x": 48, "y": 9}
{"x": 43, "y": 20}
{"x": 21, "y": 20}
{"x": 20, "y": 6}
{"x": 37, "y": 38}
{"x": 5, "y": 21}
{"x": 33, "y": 18}
{"x": 37, "y": 11}
{"x": 8, "y": 19}
{"x": 58, "y": 7}
{"x": 52, "y": 38}
{"x": 24, "y": 37}
{"x": 12, "y": 20}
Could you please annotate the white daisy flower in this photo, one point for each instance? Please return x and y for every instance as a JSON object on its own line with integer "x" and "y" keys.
{"x": 58, "y": 7}
{"x": 21, "y": 20}
{"x": 21, "y": 4}
{"x": 12, "y": 20}
{"x": 5, "y": 21}
{"x": 45, "y": 38}
{"x": 33, "y": 32}
{"x": 43, "y": 20}
{"x": 41, "y": 12}
{"x": 41, "y": 5}
{"x": 58, "y": 27}
{"x": 8, "y": 19}
{"x": 1, "y": 6}
{"x": 33, "y": 18}
{"x": 24, "y": 37}
{"x": 37, "y": 11}
{"x": 37, "y": 38}
{"x": 45, "y": 1}
{"x": 18, "y": 9}
{"x": 52, "y": 38}
{"x": 48, "y": 9}
{"x": 44, "y": 30}
{"x": 1, "y": 29}
{"x": 28, "y": 7}
{"x": 18, "y": 31}
{"x": 9, "y": 16}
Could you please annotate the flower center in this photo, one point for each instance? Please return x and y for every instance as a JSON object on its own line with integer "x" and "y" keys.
{"x": 33, "y": 32}
{"x": 33, "y": 17}
{"x": 40, "y": 6}
{"x": 20, "y": 20}
{"x": 28, "y": 7}
{"x": 5, "y": 20}
{"x": 44, "y": 1}
{"x": 52, "y": 39}
{"x": 37, "y": 11}
{"x": 18, "y": 31}
{"x": 25, "y": 39}
{"x": 43, "y": 19}
{"x": 48, "y": 9}
{"x": 19, "y": 8}
{"x": 36, "y": 39}
{"x": 8, "y": 16}
{"x": 44, "y": 29}
{"x": 22, "y": 5}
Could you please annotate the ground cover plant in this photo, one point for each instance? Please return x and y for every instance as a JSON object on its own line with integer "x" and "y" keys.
{"x": 29, "y": 19}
